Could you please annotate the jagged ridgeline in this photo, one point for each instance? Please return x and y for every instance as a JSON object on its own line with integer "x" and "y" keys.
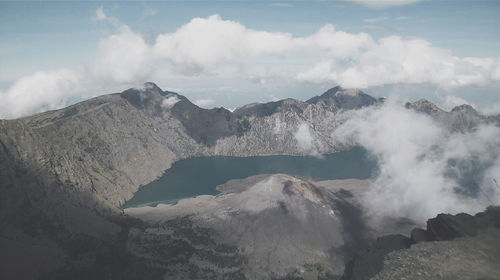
{"x": 64, "y": 175}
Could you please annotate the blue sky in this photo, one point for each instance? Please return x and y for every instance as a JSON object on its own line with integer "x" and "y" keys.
{"x": 48, "y": 36}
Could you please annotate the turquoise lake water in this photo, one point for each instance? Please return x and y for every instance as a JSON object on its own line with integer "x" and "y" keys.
{"x": 196, "y": 176}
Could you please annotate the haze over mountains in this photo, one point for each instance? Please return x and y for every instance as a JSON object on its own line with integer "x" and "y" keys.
{"x": 65, "y": 174}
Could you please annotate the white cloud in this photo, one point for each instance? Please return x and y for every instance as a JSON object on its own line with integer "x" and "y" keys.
{"x": 170, "y": 101}
{"x": 214, "y": 46}
{"x": 393, "y": 60}
{"x": 207, "y": 42}
{"x": 204, "y": 43}
{"x": 306, "y": 140}
{"x": 416, "y": 179}
{"x": 99, "y": 14}
{"x": 204, "y": 102}
{"x": 304, "y": 137}
{"x": 338, "y": 44}
{"x": 383, "y": 3}
{"x": 39, "y": 92}
{"x": 123, "y": 58}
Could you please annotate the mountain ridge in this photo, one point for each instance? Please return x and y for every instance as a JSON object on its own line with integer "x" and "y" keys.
{"x": 65, "y": 173}
{"x": 136, "y": 121}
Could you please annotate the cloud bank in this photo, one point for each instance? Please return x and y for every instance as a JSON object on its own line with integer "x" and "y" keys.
{"x": 215, "y": 46}
{"x": 40, "y": 92}
{"x": 395, "y": 60}
{"x": 205, "y": 42}
{"x": 424, "y": 168}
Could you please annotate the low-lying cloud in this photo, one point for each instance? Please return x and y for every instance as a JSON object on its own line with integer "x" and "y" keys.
{"x": 306, "y": 141}
{"x": 205, "y": 103}
{"x": 424, "y": 168}
{"x": 170, "y": 101}
{"x": 304, "y": 137}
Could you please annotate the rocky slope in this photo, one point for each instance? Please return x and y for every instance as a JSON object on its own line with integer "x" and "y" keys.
{"x": 112, "y": 144}
{"x": 468, "y": 248}
{"x": 280, "y": 223}
{"x": 65, "y": 173}
{"x": 286, "y": 227}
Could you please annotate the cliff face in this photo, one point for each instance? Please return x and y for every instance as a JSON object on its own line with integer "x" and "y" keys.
{"x": 104, "y": 145}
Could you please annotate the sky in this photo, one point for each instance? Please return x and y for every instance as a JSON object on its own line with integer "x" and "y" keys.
{"x": 229, "y": 53}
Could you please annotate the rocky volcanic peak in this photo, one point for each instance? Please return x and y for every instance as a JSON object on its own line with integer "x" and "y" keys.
{"x": 462, "y": 118}
{"x": 346, "y": 99}
{"x": 280, "y": 223}
{"x": 150, "y": 97}
{"x": 205, "y": 126}
{"x": 465, "y": 108}
{"x": 466, "y": 118}
{"x": 267, "y": 109}
{"x": 425, "y": 106}
{"x": 295, "y": 228}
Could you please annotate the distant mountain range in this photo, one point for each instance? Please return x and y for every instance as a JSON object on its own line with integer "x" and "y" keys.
{"x": 64, "y": 175}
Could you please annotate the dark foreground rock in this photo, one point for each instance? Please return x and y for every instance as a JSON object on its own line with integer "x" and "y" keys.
{"x": 480, "y": 232}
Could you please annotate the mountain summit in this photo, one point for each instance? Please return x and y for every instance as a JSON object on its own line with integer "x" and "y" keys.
{"x": 346, "y": 99}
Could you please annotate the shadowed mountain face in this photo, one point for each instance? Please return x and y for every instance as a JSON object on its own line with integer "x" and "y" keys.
{"x": 207, "y": 126}
{"x": 202, "y": 125}
{"x": 65, "y": 173}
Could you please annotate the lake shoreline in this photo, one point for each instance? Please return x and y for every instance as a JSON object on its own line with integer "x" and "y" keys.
{"x": 196, "y": 176}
